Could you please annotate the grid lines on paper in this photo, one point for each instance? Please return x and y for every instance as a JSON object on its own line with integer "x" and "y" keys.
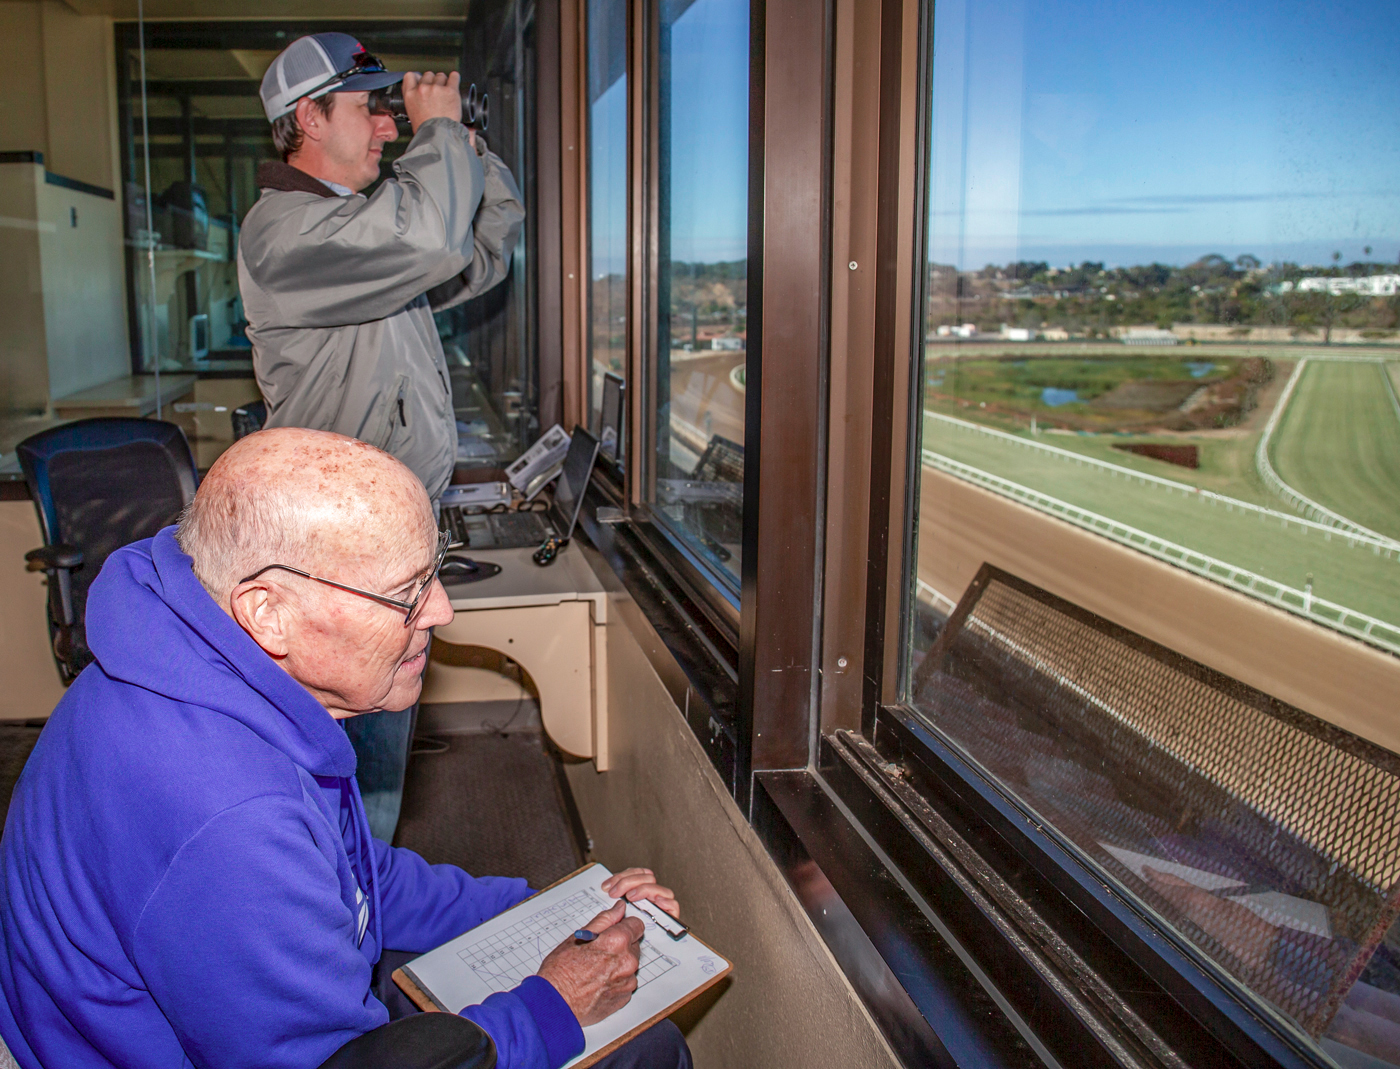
{"x": 503, "y": 960}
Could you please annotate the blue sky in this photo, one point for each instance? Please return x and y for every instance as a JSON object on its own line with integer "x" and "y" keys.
{"x": 709, "y": 101}
{"x": 710, "y": 132}
{"x": 1135, "y": 131}
{"x": 1073, "y": 130}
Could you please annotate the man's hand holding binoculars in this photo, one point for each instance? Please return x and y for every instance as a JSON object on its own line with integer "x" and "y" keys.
{"x": 433, "y": 96}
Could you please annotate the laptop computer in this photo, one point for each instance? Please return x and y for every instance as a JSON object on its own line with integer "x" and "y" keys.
{"x": 516, "y": 530}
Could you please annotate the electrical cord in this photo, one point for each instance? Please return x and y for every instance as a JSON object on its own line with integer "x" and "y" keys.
{"x": 427, "y": 745}
{"x": 519, "y": 702}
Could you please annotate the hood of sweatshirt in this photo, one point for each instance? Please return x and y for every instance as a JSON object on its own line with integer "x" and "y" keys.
{"x": 189, "y": 650}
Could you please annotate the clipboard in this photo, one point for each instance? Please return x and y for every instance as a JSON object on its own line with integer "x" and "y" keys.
{"x": 496, "y": 952}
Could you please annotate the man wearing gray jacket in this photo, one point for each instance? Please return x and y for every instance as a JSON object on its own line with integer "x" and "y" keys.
{"x": 339, "y": 289}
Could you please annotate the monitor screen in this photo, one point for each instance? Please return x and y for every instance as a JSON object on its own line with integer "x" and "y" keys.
{"x": 573, "y": 480}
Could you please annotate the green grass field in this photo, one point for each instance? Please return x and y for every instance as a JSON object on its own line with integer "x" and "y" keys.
{"x": 1339, "y": 443}
{"x": 1351, "y": 576}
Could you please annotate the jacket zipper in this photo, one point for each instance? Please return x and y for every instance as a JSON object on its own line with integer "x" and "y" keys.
{"x": 387, "y": 434}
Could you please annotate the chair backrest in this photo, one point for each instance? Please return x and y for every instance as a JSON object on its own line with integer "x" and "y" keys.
{"x": 248, "y": 418}
{"x": 99, "y": 484}
{"x": 722, "y": 462}
{"x": 1160, "y": 769}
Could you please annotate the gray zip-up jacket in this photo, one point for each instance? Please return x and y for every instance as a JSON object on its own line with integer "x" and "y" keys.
{"x": 340, "y": 292}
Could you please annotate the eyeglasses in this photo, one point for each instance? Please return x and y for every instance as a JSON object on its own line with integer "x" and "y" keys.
{"x": 409, "y": 608}
{"x": 363, "y": 63}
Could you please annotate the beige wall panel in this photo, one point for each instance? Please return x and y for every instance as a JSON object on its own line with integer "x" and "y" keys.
{"x": 26, "y": 664}
{"x": 552, "y": 643}
{"x": 787, "y": 1004}
{"x": 24, "y": 372}
{"x": 84, "y": 299}
{"x": 1333, "y": 677}
{"x": 78, "y": 87}
{"x": 24, "y": 123}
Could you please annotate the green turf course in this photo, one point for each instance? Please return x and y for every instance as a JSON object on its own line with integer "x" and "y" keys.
{"x": 1350, "y": 576}
{"x": 1339, "y": 443}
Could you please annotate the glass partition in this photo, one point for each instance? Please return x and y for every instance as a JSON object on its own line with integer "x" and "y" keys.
{"x": 702, "y": 275}
{"x": 207, "y": 135}
{"x": 1162, "y": 306}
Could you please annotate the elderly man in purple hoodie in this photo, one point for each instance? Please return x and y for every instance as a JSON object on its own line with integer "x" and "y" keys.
{"x": 187, "y": 876}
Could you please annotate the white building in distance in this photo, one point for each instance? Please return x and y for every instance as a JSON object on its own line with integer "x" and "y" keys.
{"x": 1149, "y": 336}
{"x": 1367, "y": 286}
{"x": 967, "y": 330}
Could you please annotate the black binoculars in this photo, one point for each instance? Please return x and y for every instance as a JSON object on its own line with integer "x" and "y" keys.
{"x": 475, "y": 107}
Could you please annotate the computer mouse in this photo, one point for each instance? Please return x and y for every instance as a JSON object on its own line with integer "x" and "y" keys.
{"x": 455, "y": 566}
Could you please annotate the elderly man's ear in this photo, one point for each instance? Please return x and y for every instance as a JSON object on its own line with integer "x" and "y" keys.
{"x": 262, "y": 611}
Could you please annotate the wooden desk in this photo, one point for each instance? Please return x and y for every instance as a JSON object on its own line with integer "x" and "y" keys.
{"x": 134, "y": 395}
{"x": 552, "y": 622}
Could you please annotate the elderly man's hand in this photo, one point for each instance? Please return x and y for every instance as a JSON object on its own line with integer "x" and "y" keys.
{"x": 432, "y": 96}
{"x": 636, "y": 884}
{"x": 596, "y": 979}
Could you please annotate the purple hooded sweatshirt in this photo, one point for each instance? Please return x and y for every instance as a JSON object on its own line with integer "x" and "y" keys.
{"x": 187, "y": 876}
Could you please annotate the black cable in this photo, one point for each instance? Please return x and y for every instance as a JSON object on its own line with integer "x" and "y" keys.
{"x": 519, "y": 702}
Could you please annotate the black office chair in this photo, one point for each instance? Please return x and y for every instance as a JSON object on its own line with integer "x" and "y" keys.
{"x": 248, "y": 418}
{"x": 98, "y": 484}
{"x": 423, "y": 1041}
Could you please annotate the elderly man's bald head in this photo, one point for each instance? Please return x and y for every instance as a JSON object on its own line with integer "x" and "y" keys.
{"x": 314, "y": 500}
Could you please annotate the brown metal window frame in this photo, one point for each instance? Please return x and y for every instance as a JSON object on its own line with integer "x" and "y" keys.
{"x": 1051, "y": 944}
{"x": 763, "y": 649}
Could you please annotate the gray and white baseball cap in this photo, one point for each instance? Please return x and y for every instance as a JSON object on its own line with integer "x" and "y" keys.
{"x": 318, "y": 64}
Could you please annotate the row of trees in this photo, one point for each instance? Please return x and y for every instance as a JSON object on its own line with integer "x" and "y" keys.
{"x": 1090, "y": 299}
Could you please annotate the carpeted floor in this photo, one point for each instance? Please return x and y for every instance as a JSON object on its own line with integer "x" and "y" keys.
{"x": 493, "y": 804}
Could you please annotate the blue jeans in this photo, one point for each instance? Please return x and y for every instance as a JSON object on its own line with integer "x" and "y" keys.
{"x": 381, "y": 742}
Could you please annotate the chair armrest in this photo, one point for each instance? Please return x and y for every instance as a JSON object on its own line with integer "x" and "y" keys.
{"x": 59, "y": 561}
{"x": 423, "y": 1041}
{"x": 50, "y": 558}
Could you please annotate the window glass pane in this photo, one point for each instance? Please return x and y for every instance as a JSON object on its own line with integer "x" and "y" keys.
{"x": 701, "y": 278}
{"x": 607, "y": 207}
{"x": 207, "y": 135}
{"x": 1163, "y": 307}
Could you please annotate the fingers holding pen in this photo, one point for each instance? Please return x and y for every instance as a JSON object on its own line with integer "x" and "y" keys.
{"x": 597, "y": 977}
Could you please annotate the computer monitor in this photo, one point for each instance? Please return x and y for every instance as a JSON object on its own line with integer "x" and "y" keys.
{"x": 573, "y": 481}
{"x": 610, "y": 415}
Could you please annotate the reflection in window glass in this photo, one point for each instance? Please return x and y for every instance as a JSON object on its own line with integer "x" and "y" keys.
{"x": 1163, "y": 306}
{"x": 702, "y": 277}
{"x": 607, "y": 189}
{"x": 208, "y": 133}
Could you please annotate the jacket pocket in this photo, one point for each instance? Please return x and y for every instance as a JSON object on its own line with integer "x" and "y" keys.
{"x": 395, "y": 414}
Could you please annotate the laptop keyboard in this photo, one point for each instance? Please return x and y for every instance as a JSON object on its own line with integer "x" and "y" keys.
{"x": 518, "y": 528}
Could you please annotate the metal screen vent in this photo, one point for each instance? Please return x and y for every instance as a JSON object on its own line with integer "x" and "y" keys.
{"x": 1268, "y": 837}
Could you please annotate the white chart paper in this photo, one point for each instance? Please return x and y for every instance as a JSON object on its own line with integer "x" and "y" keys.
{"x": 497, "y": 955}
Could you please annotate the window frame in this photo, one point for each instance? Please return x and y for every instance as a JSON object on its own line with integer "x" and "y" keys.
{"x": 1024, "y": 867}
{"x": 803, "y": 714}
